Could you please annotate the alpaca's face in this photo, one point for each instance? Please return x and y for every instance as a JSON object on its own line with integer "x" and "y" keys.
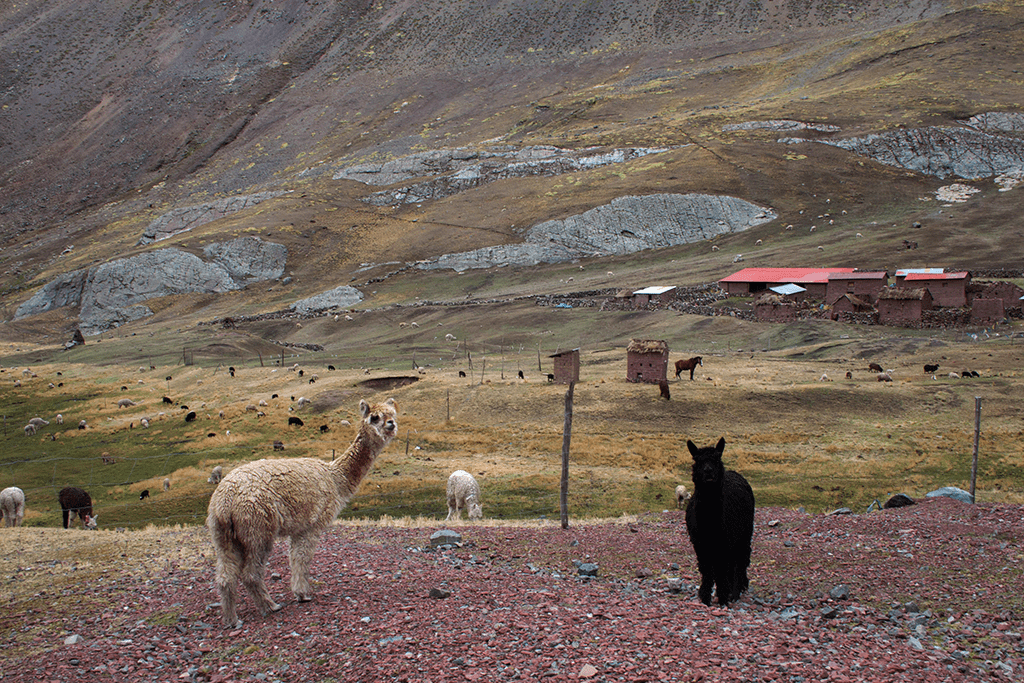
{"x": 381, "y": 418}
{"x": 708, "y": 469}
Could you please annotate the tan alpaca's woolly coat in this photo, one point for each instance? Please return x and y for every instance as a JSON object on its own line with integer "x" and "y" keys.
{"x": 296, "y": 498}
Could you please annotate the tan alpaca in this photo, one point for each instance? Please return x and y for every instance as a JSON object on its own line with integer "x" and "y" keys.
{"x": 297, "y": 498}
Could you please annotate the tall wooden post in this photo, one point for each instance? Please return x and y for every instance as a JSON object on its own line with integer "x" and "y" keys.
{"x": 563, "y": 498}
{"x": 977, "y": 435}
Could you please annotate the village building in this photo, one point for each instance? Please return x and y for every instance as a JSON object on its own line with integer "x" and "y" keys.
{"x": 863, "y": 285}
{"x": 566, "y": 366}
{"x": 897, "y": 305}
{"x": 1008, "y": 292}
{"x": 947, "y": 289}
{"x": 656, "y": 295}
{"x": 647, "y": 360}
{"x": 847, "y": 305}
{"x": 987, "y": 311}
{"x": 774, "y": 308}
{"x": 754, "y": 281}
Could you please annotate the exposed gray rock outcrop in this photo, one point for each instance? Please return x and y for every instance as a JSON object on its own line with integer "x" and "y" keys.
{"x": 623, "y": 226}
{"x": 65, "y": 290}
{"x": 991, "y": 145}
{"x": 456, "y": 170}
{"x": 191, "y": 217}
{"x": 249, "y": 259}
{"x": 339, "y": 297}
{"x": 780, "y": 126}
{"x": 112, "y": 293}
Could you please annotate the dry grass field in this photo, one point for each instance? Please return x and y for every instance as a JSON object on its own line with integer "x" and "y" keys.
{"x": 801, "y": 441}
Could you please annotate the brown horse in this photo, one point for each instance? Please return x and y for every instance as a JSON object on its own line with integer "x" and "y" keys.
{"x": 689, "y": 364}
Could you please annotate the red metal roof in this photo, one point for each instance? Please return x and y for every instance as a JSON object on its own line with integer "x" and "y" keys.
{"x": 842, "y": 275}
{"x": 937, "y": 276}
{"x": 784, "y": 275}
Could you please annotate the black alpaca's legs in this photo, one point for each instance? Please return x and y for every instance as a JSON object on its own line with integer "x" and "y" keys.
{"x": 707, "y": 584}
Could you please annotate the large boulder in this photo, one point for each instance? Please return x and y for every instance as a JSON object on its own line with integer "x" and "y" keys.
{"x": 951, "y": 492}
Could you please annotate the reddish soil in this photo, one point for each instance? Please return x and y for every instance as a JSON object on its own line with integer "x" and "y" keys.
{"x": 934, "y": 594}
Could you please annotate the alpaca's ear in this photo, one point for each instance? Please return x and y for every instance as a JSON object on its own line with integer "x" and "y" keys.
{"x": 693, "y": 448}
{"x": 364, "y": 408}
{"x": 391, "y": 402}
{"x": 721, "y": 446}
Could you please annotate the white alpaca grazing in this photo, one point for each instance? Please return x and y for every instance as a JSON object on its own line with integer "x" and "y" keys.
{"x": 12, "y": 504}
{"x": 297, "y": 498}
{"x": 463, "y": 492}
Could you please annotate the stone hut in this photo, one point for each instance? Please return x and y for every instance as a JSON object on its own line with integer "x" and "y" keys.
{"x": 897, "y": 306}
{"x": 567, "y": 366}
{"x": 774, "y": 308}
{"x": 647, "y": 361}
{"x": 848, "y": 305}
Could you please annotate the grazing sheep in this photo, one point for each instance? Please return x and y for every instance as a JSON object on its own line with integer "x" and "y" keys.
{"x": 720, "y": 523}
{"x": 167, "y": 484}
{"x": 953, "y": 375}
{"x": 297, "y": 498}
{"x": 303, "y": 401}
{"x": 38, "y": 422}
{"x": 884, "y": 377}
{"x": 231, "y": 371}
{"x": 144, "y": 495}
{"x": 682, "y": 496}
{"x": 930, "y": 369}
{"x": 295, "y": 421}
{"x": 462, "y": 373}
{"x": 875, "y": 367}
{"x": 12, "y": 505}
{"x": 82, "y": 424}
{"x": 323, "y": 429}
{"x": 665, "y": 393}
{"x": 144, "y": 422}
{"x": 263, "y": 403}
{"x": 824, "y": 377}
{"x": 849, "y": 375}
{"x": 215, "y": 475}
{"x": 59, "y": 419}
{"x": 331, "y": 367}
{"x": 463, "y": 492}
{"x": 250, "y": 408}
{"x": 76, "y": 501}
{"x": 521, "y": 375}
{"x": 551, "y": 377}
{"x": 125, "y": 403}
{"x": 168, "y": 399}
{"x": 191, "y": 416}
{"x": 30, "y": 429}
{"x": 278, "y": 445}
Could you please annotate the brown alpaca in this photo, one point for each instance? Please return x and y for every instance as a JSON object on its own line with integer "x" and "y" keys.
{"x": 297, "y": 498}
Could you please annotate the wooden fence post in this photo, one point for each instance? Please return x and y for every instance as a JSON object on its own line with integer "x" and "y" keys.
{"x": 977, "y": 434}
{"x": 563, "y": 497}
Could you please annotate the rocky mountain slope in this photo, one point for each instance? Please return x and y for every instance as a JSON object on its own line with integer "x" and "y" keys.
{"x": 356, "y": 136}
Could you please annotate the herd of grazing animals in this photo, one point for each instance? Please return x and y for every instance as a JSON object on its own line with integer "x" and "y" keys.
{"x": 299, "y": 498}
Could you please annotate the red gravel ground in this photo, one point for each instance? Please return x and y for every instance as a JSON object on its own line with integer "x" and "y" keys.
{"x": 933, "y": 594}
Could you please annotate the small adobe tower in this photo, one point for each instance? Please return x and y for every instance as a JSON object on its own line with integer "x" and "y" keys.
{"x": 567, "y": 366}
{"x": 647, "y": 360}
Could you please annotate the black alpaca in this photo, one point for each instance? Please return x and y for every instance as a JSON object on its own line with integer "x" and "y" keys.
{"x": 720, "y": 521}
